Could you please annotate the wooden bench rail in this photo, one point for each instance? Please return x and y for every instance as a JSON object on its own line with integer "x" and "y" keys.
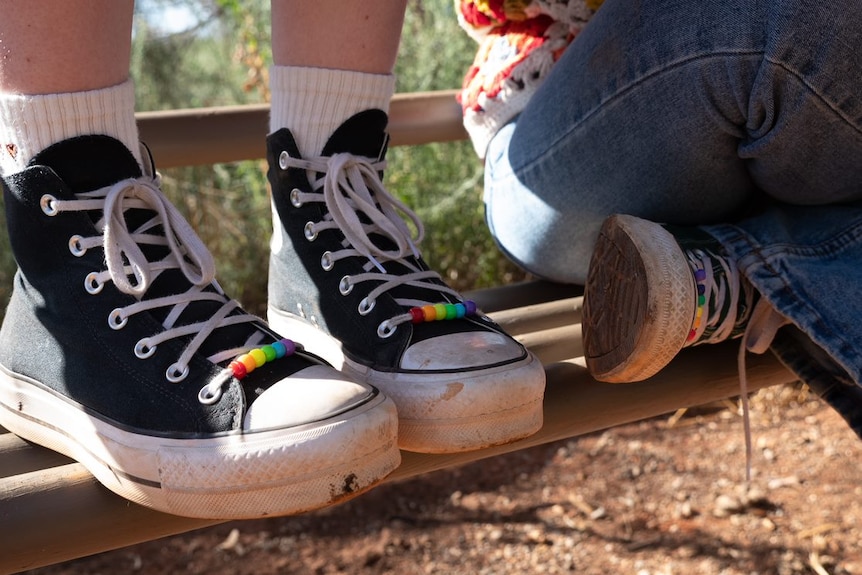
{"x": 232, "y": 133}
{"x": 53, "y": 510}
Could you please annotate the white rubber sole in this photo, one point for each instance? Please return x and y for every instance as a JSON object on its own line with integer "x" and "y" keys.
{"x": 638, "y": 301}
{"x": 442, "y": 412}
{"x": 241, "y": 476}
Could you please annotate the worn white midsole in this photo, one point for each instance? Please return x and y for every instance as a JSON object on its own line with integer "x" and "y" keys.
{"x": 146, "y": 467}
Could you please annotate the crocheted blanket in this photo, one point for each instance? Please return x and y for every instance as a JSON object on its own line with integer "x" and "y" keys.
{"x": 519, "y": 42}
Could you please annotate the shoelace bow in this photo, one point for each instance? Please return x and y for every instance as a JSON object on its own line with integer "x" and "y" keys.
{"x": 186, "y": 252}
{"x": 350, "y": 186}
{"x": 761, "y": 322}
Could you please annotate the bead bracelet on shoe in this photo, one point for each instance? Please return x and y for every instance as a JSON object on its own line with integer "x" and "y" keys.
{"x": 248, "y": 362}
{"x": 699, "y": 278}
{"x": 426, "y": 313}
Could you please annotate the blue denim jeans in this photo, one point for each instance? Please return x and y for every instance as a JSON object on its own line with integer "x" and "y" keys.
{"x": 744, "y": 116}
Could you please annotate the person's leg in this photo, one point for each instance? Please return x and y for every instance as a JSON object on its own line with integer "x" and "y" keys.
{"x": 345, "y": 269}
{"x": 363, "y": 38}
{"x": 64, "y": 73}
{"x": 56, "y": 46}
{"x": 330, "y": 63}
{"x": 118, "y": 348}
{"x": 626, "y": 122}
{"x": 803, "y": 259}
{"x": 801, "y": 141}
{"x": 663, "y": 110}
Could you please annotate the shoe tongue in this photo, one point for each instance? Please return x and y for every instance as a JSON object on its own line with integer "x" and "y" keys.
{"x": 365, "y": 135}
{"x": 88, "y": 163}
{"x": 700, "y": 243}
{"x": 361, "y": 135}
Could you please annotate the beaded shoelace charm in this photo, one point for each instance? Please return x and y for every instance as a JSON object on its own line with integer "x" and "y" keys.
{"x": 426, "y": 313}
{"x": 441, "y": 311}
{"x": 248, "y": 362}
{"x": 699, "y": 278}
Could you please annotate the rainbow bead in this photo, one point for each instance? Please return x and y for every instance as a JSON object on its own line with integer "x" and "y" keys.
{"x": 442, "y": 311}
{"x": 430, "y": 312}
{"x": 248, "y": 361}
{"x": 699, "y": 278}
{"x": 255, "y": 358}
{"x": 239, "y": 369}
{"x": 258, "y": 356}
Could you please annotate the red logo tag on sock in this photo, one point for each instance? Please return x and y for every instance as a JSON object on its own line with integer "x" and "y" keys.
{"x": 12, "y": 150}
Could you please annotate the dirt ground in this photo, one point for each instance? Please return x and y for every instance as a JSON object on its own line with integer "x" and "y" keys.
{"x": 664, "y": 496}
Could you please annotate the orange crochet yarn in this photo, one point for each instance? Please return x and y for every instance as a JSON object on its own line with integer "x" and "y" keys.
{"x": 519, "y": 42}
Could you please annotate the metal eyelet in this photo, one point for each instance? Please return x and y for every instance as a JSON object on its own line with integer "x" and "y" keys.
{"x": 117, "y": 320}
{"x": 48, "y": 203}
{"x": 176, "y": 373}
{"x": 75, "y": 246}
{"x": 365, "y": 306}
{"x": 326, "y": 261}
{"x": 386, "y": 329}
{"x": 344, "y": 286}
{"x": 294, "y": 198}
{"x": 207, "y": 396}
{"x": 282, "y": 160}
{"x": 92, "y": 283}
{"x": 310, "y": 232}
{"x": 143, "y": 349}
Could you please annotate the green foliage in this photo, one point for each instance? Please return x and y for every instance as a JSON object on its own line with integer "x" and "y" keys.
{"x": 222, "y": 60}
{"x": 443, "y": 182}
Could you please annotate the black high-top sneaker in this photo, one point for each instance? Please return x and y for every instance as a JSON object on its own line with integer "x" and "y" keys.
{"x": 653, "y": 290}
{"x": 346, "y": 275}
{"x": 119, "y": 350}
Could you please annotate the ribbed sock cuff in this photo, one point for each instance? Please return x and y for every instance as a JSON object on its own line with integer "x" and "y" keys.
{"x": 31, "y": 123}
{"x": 313, "y": 102}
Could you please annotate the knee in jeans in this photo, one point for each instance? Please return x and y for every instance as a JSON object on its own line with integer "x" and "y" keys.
{"x": 541, "y": 244}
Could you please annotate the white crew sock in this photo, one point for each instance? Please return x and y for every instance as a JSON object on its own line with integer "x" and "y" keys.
{"x": 313, "y": 102}
{"x": 31, "y": 123}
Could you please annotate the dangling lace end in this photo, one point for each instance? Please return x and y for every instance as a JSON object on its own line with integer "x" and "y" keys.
{"x": 746, "y": 413}
{"x": 375, "y": 263}
{"x": 759, "y": 333}
{"x": 414, "y": 249}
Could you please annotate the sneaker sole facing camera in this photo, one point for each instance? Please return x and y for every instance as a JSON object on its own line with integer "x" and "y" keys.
{"x": 653, "y": 290}
{"x": 638, "y": 301}
{"x": 120, "y": 350}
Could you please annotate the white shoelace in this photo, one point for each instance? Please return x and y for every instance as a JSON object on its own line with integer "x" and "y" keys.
{"x": 763, "y": 321}
{"x": 715, "y": 292}
{"x": 351, "y": 186}
{"x": 186, "y": 252}
{"x": 762, "y": 326}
